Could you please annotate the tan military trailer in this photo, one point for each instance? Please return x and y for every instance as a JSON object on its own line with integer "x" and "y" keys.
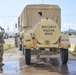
{"x": 40, "y": 29}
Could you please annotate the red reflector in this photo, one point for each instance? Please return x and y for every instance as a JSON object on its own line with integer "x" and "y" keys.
{"x": 35, "y": 45}
{"x": 59, "y": 45}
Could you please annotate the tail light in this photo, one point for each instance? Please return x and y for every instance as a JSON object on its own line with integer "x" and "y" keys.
{"x": 35, "y": 45}
{"x": 59, "y": 45}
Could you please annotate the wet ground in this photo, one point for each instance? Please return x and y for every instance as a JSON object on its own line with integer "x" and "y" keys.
{"x": 14, "y": 64}
{"x": 47, "y": 65}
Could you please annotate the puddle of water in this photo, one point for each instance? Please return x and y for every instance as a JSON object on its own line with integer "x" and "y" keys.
{"x": 17, "y": 65}
{"x": 11, "y": 66}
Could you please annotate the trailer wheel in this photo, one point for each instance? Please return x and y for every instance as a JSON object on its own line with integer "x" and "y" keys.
{"x": 27, "y": 56}
{"x": 23, "y": 51}
{"x": 20, "y": 47}
{"x": 64, "y": 56}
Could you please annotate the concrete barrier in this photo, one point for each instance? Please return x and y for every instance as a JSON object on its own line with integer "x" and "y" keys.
{"x": 72, "y": 47}
{"x": 8, "y": 46}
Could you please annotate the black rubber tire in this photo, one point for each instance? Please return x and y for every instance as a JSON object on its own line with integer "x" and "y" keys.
{"x": 64, "y": 56}
{"x": 23, "y": 49}
{"x": 27, "y": 56}
{"x": 20, "y": 47}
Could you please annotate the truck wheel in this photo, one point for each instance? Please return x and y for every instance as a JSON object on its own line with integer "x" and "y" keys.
{"x": 64, "y": 56}
{"x": 20, "y": 47}
{"x": 23, "y": 49}
{"x": 27, "y": 56}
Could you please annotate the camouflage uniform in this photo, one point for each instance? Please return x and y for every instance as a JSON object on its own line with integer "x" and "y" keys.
{"x": 1, "y": 45}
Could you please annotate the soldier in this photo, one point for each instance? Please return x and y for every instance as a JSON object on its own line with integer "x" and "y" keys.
{"x": 16, "y": 40}
{"x": 1, "y": 45}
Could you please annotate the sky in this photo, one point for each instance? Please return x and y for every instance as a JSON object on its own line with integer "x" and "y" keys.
{"x": 11, "y": 9}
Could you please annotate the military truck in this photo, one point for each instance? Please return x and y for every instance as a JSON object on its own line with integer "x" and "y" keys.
{"x": 40, "y": 29}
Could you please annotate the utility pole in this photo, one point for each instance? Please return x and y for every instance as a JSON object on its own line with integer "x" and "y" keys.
{"x": 16, "y": 27}
{"x": 13, "y": 30}
{"x": 69, "y": 31}
{"x": 7, "y": 29}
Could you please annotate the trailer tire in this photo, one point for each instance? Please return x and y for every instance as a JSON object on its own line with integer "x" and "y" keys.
{"x": 27, "y": 56}
{"x": 64, "y": 56}
{"x": 20, "y": 47}
{"x": 23, "y": 51}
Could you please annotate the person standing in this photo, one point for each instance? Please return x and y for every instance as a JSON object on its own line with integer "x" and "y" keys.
{"x": 2, "y": 31}
{"x": 16, "y": 40}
